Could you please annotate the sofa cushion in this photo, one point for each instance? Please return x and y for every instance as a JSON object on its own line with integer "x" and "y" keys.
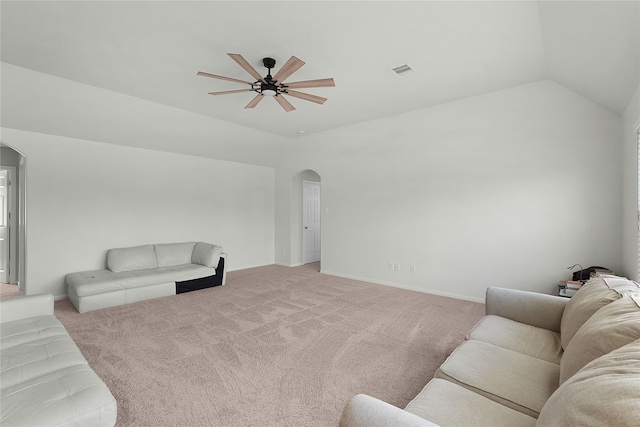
{"x": 611, "y": 327}
{"x": 85, "y": 283}
{"x": 446, "y": 403}
{"x": 45, "y": 380}
{"x": 593, "y": 295}
{"x": 606, "y": 392}
{"x": 513, "y": 379}
{"x": 530, "y": 340}
{"x": 206, "y": 254}
{"x": 132, "y": 259}
{"x": 33, "y": 347}
{"x": 168, "y": 254}
{"x": 71, "y": 396}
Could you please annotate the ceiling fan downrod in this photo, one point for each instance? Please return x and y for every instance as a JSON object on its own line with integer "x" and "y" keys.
{"x": 268, "y": 88}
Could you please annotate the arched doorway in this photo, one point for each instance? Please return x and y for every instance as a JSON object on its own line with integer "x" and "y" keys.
{"x": 12, "y": 217}
{"x": 305, "y": 214}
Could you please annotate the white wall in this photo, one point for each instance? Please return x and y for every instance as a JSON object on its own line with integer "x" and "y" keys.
{"x": 630, "y": 188}
{"x": 495, "y": 189}
{"x": 85, "y": 197}
{"x": 43, "y": 103}
{"x": 505, "y": 189}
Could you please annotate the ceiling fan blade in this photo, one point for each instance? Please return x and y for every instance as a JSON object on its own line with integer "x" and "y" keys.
{"x": 284, "y": 103}
{"x": 290, "y": 67}
{"x": 215, "y": 76}
{"x": 307, "y": 96}
{"x": 255, "y": 101}
{"x": 311, "y": 83}
{"x": 247, "y": 67}
{"x": 226, "y": 92}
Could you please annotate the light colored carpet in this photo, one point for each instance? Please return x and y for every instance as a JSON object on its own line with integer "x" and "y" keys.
{"x": 275, "y": 346}
{"x": 8, "y": 291}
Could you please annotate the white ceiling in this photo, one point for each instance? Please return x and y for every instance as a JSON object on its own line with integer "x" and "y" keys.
{"x": 153, "y": 49}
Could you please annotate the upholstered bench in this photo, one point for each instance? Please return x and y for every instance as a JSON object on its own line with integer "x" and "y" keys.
{"x": 46, "y": 381}
{"x": 144, "y": 272}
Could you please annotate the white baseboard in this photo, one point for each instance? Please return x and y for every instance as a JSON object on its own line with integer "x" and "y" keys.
{"x": 285, "y": 264}
{"x": 362, "y": 279}
{"x": 246, "y": 267}
{"x": 401, "y": 286}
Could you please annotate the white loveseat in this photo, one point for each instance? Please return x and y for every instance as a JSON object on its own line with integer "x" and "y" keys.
{"x": 45, "y": 380}
{"x": 533, "y": 360}
{"x": 144, "y": 272}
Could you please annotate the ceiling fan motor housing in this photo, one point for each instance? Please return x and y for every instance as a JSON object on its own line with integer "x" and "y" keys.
{"x": 269, "y": 89}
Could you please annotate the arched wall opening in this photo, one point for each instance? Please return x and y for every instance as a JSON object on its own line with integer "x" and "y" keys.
{"x": 297, "y": 218}
{"x": 14, "y": 229}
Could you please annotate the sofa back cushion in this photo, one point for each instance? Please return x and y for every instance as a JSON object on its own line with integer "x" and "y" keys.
{"x": 605, "y": 392}
{"x": 595, "y": 294}
{"x": 169, "y": 254}
{"x": 206, "y": 254}
{"x": 611, "y": 327}
{"x": 131, "y": 259}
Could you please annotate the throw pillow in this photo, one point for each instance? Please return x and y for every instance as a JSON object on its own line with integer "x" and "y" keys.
{"x": 595, "y": 294}
{"x": 611, "y": 327}
{"x": 131, "y": 259}
{"x": 206, "y": 254}
{"x": 605, "y": 392}
{"x": 169, "y": 254}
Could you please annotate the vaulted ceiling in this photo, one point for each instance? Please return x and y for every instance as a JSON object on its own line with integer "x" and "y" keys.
{"x": 153, "y": 49}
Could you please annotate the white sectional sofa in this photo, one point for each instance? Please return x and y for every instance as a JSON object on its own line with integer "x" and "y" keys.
{"x": 45, "y": 380}
{"x": 533, "y": 360}
{"x": 150, "y": 271}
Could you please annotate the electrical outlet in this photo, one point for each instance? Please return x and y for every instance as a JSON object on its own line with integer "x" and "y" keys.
{"x": 390, "y": 265}
{"x": 396, "y": 266}
{"x": 412, "y": 268}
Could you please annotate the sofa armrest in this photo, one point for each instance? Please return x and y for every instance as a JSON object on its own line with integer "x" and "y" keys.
{"x": 24, "y": 307}
{"x": 222, "y": 267}
{"x": 541, "y": 310}
{"x": 367, "y": 411}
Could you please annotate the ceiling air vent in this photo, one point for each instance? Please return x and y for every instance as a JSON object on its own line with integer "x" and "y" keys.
{"x": 402, "y": 70}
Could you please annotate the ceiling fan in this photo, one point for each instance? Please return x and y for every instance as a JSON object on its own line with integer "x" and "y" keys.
{"x": 273, "y": 86}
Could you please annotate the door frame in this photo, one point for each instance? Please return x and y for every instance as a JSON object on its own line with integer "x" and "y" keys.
{"x": 12, "y": 195}
{"x": 291, "y": 249}
{"x": 306, "y": 183}
{"x": 19, "y": 274}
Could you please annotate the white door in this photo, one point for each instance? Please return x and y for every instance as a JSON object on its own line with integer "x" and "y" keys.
{"x": 310, "y": 221}
{"x": 4, "y": 227}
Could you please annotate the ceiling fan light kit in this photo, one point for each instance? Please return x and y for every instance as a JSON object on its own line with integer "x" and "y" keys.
{"x": 273, "y": 86}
